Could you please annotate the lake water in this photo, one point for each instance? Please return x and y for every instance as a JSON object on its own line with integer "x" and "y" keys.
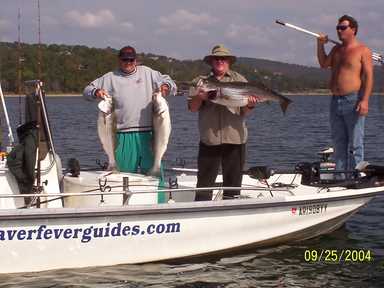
{"x": 277, "y": 140}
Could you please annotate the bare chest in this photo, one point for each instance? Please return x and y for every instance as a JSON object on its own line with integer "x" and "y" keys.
{"x": 349, "y": 59}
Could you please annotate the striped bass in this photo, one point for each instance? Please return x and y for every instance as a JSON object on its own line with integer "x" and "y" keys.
{"x": 106, "y": 130}
{"x": 161, "y": 130}
{"x": 235, "y": 94}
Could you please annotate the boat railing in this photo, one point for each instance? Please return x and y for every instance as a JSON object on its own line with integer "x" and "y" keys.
{"x": 98, "y": 192}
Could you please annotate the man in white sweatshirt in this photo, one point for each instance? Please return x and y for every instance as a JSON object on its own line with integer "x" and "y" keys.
{"x": 131, "y": 87}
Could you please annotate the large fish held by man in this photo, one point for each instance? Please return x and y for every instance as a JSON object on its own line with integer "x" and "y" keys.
{"x": 235, "y": 94}
{"x": 106, "y": 130}
{"x": 161, "y": 130}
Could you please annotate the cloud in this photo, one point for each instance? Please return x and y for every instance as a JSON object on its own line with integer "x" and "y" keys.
{"x": 245, "y": 33}
{"x": 185, "y": 21}
{"x": 376, "y": 44}
{"x": 324, "y": 20}
{"x": 127, "y": 25}
{"x": 187, "y": 29}
{"x": 90, "y": 20}
{"x": 4, "y": 24}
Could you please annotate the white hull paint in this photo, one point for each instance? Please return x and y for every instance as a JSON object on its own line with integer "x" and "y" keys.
{"x": 121, "y": 224}
{"x": 165, "y": 231}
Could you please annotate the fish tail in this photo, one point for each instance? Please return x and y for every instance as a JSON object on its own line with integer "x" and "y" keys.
{"x": 154, "y": 171}
{"x": 284, "y": 104}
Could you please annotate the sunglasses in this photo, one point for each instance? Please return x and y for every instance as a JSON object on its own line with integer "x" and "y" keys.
{"x": 220, "y": 58}
{"x": 341, "y": 27}
{"x": 128, "y": 60}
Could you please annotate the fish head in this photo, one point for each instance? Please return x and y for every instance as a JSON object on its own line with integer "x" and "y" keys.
{"x": 212, "y": 94}
{"x": 105, "y": 106}
{"x": 209, "y": 88}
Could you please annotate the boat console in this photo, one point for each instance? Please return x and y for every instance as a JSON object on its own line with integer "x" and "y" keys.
{"x": 323, "y": 173}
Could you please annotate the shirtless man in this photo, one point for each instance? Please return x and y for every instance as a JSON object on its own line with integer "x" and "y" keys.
{"x": 351, "y": 85}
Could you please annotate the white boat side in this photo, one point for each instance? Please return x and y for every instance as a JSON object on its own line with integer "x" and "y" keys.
{"x": 99, "y": 218}
{"x": 54, "y": 238}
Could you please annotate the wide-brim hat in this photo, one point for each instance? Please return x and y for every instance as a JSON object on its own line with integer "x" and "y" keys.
{"x": 220, "y": 51}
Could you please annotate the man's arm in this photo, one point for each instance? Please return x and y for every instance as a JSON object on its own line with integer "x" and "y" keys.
{"x": 94, "y": 89}
{"x": 196, "y": 98}
{"x": 325, "y": 60}
{"x": 164, "y": 82}
{"x": 252, "y": 101}
{"x": 367, "y": 82}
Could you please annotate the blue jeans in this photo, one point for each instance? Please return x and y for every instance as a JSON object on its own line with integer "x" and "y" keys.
{"x": 347, "y": 129}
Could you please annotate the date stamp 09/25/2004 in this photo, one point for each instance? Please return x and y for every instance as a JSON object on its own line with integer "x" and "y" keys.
{"x": 339, "y": 255}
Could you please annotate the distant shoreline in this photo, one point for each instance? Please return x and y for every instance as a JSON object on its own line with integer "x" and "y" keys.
{"x": 48, "y": 95}
{"x": 309, "y": 93}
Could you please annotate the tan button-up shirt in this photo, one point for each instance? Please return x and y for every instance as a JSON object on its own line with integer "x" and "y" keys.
{"x": 218, "y": 125}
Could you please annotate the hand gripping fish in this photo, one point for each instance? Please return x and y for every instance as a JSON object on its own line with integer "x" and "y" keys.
{"x": 106, "y": 130}
{"x": 235, "y": 94}
{"x": 162, "y": 131}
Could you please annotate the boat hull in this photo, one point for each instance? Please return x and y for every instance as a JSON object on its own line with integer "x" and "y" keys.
{"x": 44, "y": 239}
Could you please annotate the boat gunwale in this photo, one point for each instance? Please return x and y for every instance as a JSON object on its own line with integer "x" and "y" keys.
{"x": 174, "y": 208}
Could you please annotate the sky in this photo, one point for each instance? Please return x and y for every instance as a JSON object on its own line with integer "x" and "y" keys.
{"x": 188, "y": 29}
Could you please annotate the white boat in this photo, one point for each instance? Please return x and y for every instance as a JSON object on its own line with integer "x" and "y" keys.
{"x": 99, "y": 218}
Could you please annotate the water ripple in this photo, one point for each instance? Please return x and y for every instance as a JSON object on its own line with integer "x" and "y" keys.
{"x": 274, "y": 139}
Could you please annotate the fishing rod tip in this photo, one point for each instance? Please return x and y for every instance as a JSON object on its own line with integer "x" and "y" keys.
{"x": 279, "y": 22}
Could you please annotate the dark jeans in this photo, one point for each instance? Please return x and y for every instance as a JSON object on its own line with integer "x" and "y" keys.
{"x": 231, "y": 157}
{"x": 347, "y": 129}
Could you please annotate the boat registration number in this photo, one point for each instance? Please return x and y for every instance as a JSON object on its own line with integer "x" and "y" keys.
{"x": 309, "y": 209}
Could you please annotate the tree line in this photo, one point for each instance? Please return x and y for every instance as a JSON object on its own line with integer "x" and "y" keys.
{"x": 68, "y": 69}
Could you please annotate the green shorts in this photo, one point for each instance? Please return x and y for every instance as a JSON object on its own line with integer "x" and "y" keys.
{"x": 134, "y": 154}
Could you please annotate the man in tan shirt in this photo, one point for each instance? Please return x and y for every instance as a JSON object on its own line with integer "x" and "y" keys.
{"x": 223, "y": 134}
{"x": 351, "y": 85}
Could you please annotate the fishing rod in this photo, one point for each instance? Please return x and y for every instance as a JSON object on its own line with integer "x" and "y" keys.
{"x": 19, "y": 62}
{"x": 10, "y": 135}
{"x": 39, "y": 54}
{"x": 375, "y": 56}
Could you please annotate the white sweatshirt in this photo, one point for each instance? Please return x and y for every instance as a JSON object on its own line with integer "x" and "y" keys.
{"x": 131, "y": 95}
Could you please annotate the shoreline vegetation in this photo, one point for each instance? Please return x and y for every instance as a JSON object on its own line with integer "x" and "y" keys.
{"x": 299, "y": 93}
{"x": 67, "y": 69}
{"x": 12, "y": 95}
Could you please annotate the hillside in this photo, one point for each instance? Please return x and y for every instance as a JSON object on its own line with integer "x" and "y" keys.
{"x": 68, "y": 69}
{"x": 310, "y": 77}
{"x": 305, "y": 77}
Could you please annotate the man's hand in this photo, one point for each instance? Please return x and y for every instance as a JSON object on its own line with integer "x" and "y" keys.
{"x": 164, "y": 89}
{"x": 202, "y": 94}
{"x": 362, "y": 108}
{"x": 196, "y": 98}
{"x": 252, "y": 101}
{"x": 322, "y": 39}
{"x": 101, "y": 93}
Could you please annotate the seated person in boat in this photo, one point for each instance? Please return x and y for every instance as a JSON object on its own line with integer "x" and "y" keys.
{"x": 223, "y": 133}
{"x": 130, "y": 88}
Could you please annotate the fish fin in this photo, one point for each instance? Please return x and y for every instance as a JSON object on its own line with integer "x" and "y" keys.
{"x": 284, "y": 104}
{"x": 234, "y": 110}
{"x": 112, "y": 167}
{"x": 154, "y": 172}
